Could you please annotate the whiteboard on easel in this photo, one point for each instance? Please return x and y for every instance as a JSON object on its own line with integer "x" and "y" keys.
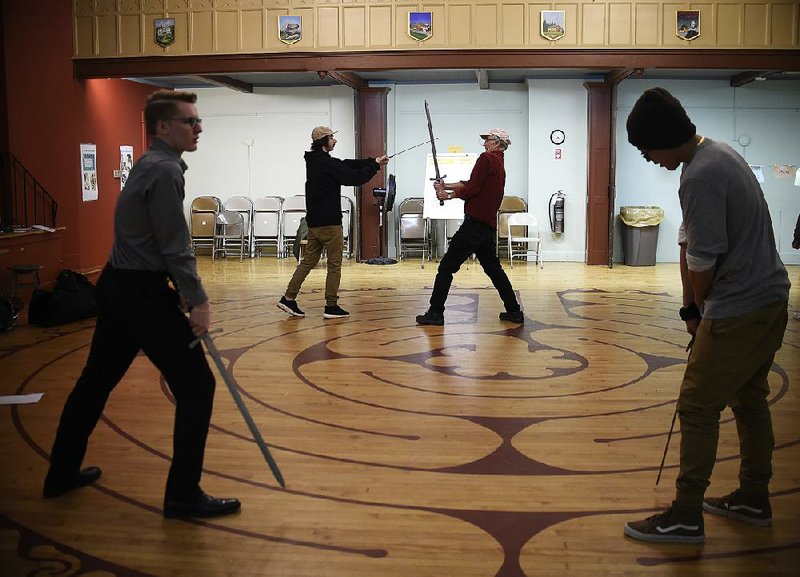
{"x": 452, "y": 167}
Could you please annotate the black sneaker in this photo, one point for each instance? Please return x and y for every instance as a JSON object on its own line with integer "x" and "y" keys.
{"x": 290, "y": 307}
{"x": 671, "y": 526}
{"x": 515, "y": 317}
{"x": 756, "y": 511}
{"x": 431, "y": 318}
{"x": 335, "y": 312}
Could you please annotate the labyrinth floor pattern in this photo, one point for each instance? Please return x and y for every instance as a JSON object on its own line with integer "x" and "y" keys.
{"x": 475, "y": 449}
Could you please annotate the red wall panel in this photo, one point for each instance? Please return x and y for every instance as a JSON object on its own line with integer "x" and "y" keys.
{"x": 50, "y": 114}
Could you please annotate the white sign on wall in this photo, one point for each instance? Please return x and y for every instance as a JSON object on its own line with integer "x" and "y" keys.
{"x": 452, "y": 167}
{"x": 89, "y": 171}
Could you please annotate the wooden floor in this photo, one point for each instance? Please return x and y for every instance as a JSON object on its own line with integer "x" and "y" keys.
{"x": 474, "y": 449}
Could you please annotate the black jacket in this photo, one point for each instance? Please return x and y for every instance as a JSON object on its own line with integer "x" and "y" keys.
{"x": 325, "y": 177}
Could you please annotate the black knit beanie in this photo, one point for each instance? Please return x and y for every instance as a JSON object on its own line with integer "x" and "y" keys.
{"x": 658, "y": 121}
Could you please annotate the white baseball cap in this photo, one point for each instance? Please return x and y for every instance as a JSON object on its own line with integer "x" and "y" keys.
{"x": 498, "y": 133}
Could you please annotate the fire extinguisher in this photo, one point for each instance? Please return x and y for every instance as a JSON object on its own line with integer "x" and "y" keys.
{"x": 556, "y": 209}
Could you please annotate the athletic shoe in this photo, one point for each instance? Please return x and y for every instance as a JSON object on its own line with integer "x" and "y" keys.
{"x": 756, "y": 511}
{"x": 335, "y": 312}
{"x": 431, "y": 318}
{"x": 671, "y": 526}
{"x": 515, "y": 317}
{"x": 290, "y": 307}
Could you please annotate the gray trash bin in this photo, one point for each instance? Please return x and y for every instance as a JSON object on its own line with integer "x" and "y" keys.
{"x": 640, "y": 234}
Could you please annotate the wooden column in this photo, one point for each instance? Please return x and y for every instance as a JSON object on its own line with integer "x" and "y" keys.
{"x": 600, "y": 206}
{"x": 372, "y": 142}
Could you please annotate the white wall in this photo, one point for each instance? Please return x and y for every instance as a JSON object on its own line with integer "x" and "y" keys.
{"x": 558, "y": 104}
{"x": 459, "y": 112}
{"x": 529, "y": 112}
{"x": 768, "y": 112}
{"x": 279, "y": 122}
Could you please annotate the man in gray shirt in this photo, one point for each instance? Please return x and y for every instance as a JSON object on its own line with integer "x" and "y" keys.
{"x": 735, "y": 295}
{"x": 138, "y": 310}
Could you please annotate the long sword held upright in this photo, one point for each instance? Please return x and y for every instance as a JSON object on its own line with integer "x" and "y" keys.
{"x": 439, "y": 177}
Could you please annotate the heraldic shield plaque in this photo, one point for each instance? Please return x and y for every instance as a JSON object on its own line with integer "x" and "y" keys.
{"x": 553, "y": 24}
{"x": 165, "y": 31}
{"x": 290, "y": 29}
{"x": 687, "y": 24}
{"x": 420, "y": 25}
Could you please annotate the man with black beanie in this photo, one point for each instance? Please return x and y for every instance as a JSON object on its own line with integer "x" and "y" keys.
{"x": 735, "y": 296}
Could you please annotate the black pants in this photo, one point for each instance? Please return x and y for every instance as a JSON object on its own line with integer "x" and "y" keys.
{"x": 473, "y": 237}
{"x": 138, "y": 310}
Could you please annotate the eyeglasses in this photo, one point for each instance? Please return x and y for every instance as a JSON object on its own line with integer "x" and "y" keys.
{"x": 190, "y": 120}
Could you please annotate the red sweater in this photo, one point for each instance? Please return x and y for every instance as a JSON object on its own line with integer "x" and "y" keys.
{"x": 483, "y": 192}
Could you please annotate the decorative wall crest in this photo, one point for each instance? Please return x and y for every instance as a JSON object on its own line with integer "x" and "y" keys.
{"x": 290, "y": 29}
{"x": 553, "y": 24}
{"x": 165, "y": 31}
{"x": 687, "y": 24}
{"x": 420, "y": 25}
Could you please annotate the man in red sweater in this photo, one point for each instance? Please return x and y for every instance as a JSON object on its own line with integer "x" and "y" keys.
{"x": 482, "y": 195}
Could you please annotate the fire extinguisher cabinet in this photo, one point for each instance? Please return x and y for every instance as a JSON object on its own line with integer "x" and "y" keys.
{"x": 640, "y": 234}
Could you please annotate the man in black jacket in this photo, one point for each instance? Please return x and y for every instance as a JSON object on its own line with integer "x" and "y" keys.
{"x": 325, "y": 177}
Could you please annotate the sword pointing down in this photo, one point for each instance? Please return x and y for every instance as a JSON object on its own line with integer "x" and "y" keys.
{"x": 226, "y": 376}
{"x": 672, "y": 426}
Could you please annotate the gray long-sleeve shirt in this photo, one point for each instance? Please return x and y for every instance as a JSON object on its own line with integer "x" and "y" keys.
{"x": 728, "y": 227}
{"x": 150, "y": 231}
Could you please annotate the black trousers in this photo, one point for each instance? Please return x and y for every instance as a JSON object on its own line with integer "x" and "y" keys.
{"x": 138, "y": 310}
{"x": 472, "y": 237}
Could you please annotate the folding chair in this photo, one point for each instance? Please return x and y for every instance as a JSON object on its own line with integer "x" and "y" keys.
{"x": 267, "y": 224}
{"x": 524, "y": 239}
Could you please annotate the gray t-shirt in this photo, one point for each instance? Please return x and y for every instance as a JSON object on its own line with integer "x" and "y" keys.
{"x": 727, "y": 223}
{"x": 150, "y": 231}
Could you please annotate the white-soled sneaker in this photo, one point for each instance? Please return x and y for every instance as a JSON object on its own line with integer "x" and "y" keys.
{"x": 335, "y": 312}
{"x": 671, "y": 526}
{"x": 739, "y": 506}
{"x": 290, "y": 307}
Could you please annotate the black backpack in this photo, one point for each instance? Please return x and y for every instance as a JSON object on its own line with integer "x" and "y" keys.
{"x": 73, "y": 299}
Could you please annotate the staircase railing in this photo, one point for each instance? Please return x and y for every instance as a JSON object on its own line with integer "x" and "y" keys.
{"x": 23, "y": 200}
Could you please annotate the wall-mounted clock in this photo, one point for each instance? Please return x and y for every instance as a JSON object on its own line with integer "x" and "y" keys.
{"x": 557, "y": 136}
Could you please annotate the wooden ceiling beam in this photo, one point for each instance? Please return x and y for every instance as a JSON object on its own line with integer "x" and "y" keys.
{"x": 748, "y": 76}
{"x": 354, "y": 81}
{"x": 616, "y": 76}
{"x": 689, "y": 59}
{"x": 227, "y": 82}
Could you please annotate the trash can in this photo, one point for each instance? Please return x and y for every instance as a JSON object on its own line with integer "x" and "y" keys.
{"x": 640, "y": 234}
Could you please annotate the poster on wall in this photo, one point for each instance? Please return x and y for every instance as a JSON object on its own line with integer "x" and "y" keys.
{"x": 687, "y": 24}
{"x": 125, "y": 163}
{"x": 89, "y": 171}
{"x": 553, "y": 24}
{"x": 455, "y": 167}
{"x": 420, "y": 25}
{"x": 290, "y": 29}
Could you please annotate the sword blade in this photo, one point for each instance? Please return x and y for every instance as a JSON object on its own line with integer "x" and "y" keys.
{"x": 433, "y": 147}
{"x": 232, "y": 388}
